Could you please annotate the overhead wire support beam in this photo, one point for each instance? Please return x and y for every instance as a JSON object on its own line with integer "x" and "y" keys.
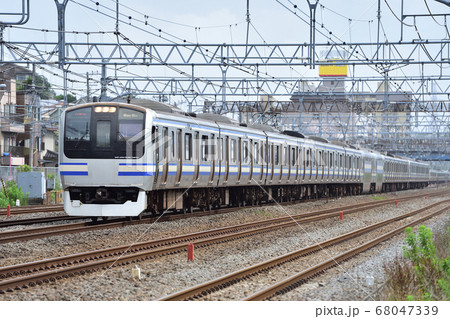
{"x": 358, "y": 53}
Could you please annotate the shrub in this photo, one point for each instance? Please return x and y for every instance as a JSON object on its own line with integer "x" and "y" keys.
{"x": 14, "y": 193}
{"x": 432, "y": 273}
{"x": 24, "y": 168}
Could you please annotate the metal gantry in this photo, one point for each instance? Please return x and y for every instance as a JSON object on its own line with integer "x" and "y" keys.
{"x": 395, "y": 91}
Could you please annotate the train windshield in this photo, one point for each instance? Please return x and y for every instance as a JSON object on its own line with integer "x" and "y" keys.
{"x": 104, "y": 132}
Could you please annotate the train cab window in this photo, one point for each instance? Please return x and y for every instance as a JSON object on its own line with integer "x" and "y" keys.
{"x": 103, "y": 134}
{"x": 204, "y": 148}
{"x": 188, "y": 147}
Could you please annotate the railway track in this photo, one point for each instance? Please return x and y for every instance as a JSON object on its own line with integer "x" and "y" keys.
{"x": 55, "y": 230}
{"x": 38, "y": 220}
{"x": 33, "y": 209}
{"x": 32, "y": 273}
{"x": 212, "y": 286}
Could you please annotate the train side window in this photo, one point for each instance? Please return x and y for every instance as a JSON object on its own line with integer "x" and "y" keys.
{"x": 308, "y": 157}
{"x": 276, "y": 155}
{"x": 212, "y": 151}
{"x": 256, "y": 153}
{"x": 165, "y": 142}
{"x": 245, "y": 152}
{"x": 262, "y": 153}
{"x": 293, "y": 158}
{"x": 188, "y": 146}
{"x": 180, "y": 146}
{"x": 219, "y": 148}
{"x": 299, "y": 158}
{"x": 233, "y": 151}
{"x": 172, "y": 141}
{"x": 204, "y": 151}
{"x": 285, "y": 156}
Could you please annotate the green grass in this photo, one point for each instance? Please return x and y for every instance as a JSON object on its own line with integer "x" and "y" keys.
{"x": 423, "y": 273}
{"x": 379, "y": 197}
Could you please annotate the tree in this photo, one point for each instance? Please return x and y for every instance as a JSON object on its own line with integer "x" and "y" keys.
{"x": 70, "y": 98}
{"x": 42, "y": 85}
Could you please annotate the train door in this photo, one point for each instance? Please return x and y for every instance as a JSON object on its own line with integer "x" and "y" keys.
{"x": 212, "y": 158}
{"x": 196, "y": 158}
{"x": 187, "y": 168}
{"x": 253, "y": 158}
{"x": 291, "y": 151}
{"x": 262, "y": 149}
{"x": 277, "y": 168}
{"x": 272, "y": 162}
{"x": 205, "y": 167}
{"x": 227, "y": 159}
{"x": 300, "y": 164}
{"x": 239, "y": 160}
{"x": 172, "y": 156}
{"x": 165, "y": 155}
{"x": 330, "y": 165}
{"x": 284, "y": 172}
{"x": 155, "y": 145}
{"x": 179, "y": 156}
{"x": 245, "y": 162}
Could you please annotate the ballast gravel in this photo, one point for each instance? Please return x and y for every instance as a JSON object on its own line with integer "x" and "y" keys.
{"x": 362, "y": 279}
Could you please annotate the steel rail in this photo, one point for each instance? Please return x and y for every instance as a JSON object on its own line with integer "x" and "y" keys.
{"x": 55, "y": 268}
{"x": 33, "y": 209}
{"x": 9, "y": 271}
{"x": 234, "y": 277}
{"x": 301, "y": 277}
{"x": 38, "y": 220}
{"x": 55, "y": 230}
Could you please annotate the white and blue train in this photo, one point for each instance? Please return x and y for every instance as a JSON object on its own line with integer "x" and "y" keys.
{"x": 122, "y": 160}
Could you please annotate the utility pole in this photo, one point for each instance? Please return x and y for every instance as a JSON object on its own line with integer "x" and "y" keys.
{"x": 33, "y": 120}
{"x": 248, "y": 27}
{"x": 61, "y": 8}
{"x": 88, "y": 91}
{"x": 379, "y": 23}
{"x": 103, "y": 82}
{"x": 312, "y": 32}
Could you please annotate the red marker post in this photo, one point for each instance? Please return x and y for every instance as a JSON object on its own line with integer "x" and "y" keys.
{"x": 8, "y": 210}
{"x": 190, "y": 250}
{"x": 341, "y": 215}
{"x": 396, "y": 202}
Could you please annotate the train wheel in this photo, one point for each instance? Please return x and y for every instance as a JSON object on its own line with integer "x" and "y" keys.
{"x": 105, "y": 218}
{"x": 94, "y": 219}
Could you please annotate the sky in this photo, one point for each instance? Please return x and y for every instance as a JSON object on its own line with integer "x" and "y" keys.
{"x": 217, "y": 22}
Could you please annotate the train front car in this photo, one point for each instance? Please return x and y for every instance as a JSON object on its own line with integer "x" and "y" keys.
{"x": 104, "y": 165}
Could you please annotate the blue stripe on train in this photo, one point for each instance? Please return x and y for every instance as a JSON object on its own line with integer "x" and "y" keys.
{"x": 135, "y": 173}
{"x": 73, "y": 173}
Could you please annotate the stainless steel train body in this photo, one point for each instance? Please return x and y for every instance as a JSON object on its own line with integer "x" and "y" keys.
{"x": 122, "y": 159}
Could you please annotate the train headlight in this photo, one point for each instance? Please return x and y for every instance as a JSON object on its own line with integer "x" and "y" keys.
{"x": 105, "y": 109}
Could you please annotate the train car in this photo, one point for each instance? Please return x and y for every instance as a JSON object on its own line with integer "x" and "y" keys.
{"x": 122, "y": 159}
